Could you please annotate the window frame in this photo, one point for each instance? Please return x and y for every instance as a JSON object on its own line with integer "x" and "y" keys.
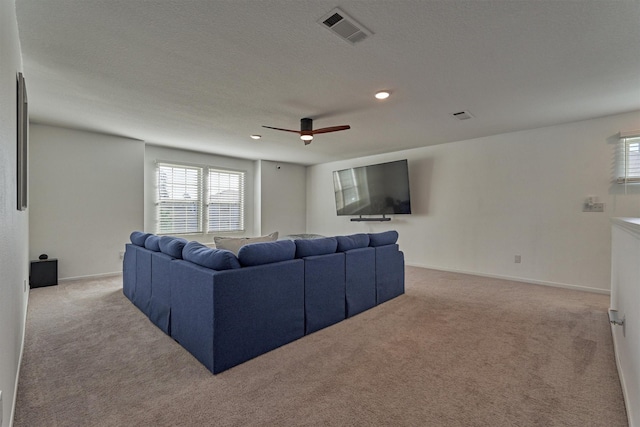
{"x": 628, "y": 164}
{"x": 241, "y": 199}
{"x": 191, "y": 186}
{"x": 204, "y": 199}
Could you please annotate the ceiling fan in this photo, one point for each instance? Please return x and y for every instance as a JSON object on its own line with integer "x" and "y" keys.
{"x": 306, "y": 131}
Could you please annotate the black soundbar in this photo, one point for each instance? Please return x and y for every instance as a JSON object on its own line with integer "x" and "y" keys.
{"x": 360, "y": 219}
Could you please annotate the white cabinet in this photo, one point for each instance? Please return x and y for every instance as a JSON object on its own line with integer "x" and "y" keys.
{"x": 625, "y": 299}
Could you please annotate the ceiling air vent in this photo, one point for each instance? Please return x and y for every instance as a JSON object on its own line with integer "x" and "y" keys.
{"x": 344, "y": 26}
{"x": 462, "y": 115}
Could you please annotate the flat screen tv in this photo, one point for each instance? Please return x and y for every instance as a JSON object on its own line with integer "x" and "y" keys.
{"x": 380, "y": 189}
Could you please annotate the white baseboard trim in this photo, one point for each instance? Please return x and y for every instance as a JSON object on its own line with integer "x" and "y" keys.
{"x": 90, "y": 276}
{"x": 625, "y": 394}
{"x": 516, "y": 279}
{"x": 15, "y": 386}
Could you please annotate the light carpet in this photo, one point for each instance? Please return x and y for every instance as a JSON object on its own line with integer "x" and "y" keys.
{"x": 455, "y": 350}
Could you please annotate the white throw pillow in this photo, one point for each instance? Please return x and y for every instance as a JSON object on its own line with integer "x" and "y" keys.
{"x": 234, "y": 244}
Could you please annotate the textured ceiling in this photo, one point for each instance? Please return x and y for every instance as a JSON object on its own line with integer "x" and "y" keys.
{"x": 205, "y": 74}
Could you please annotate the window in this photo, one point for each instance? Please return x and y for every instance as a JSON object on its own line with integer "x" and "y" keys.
{"x": 193, "y": 199}
{"x": 179, "y": 199}
{"x": 225, "y": 201}
{"x": 629, "y": 159}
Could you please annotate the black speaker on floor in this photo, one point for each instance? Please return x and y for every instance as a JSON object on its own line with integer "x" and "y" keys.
{"x": 43, "y": 273}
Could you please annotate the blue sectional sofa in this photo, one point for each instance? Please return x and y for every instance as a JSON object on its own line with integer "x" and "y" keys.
{"x": 226, "y": 309}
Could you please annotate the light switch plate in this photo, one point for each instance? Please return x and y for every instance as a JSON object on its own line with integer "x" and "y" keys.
{"x": 594, "y": 207}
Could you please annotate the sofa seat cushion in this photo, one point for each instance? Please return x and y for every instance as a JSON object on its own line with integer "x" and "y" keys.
{"x": 152, "y": 243}
{"x": 266, "y": 252}
{"x": 216, "y": 259}
{"x": 234, "y": 244}
{"x": 324, "y": 246}
{"x": 354, "y": 241}
{"x": 172, "y": 246}
{"x": 383, "y": 239}
{"x": 139, "y": 237}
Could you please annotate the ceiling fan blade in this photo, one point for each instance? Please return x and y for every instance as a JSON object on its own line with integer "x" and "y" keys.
{"x": 286, "y": 130}
{"x": 330, "y": 129}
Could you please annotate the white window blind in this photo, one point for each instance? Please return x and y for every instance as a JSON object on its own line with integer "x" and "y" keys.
{"x": 179, "y": 203}
{"x": 225, "y": 200}
{"x": 628, "y": 155}
{"x": 193, "y": 199}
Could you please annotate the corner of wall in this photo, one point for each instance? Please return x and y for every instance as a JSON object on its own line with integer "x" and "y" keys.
{"x": 257, "y": 198}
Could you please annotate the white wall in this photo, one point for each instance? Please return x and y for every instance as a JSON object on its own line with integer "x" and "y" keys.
{"x": 155, "y": 154}
{"x": 89, "y": 191}
{"x": 283, "y": 202}
{"x": 86, "y": 198}
{"x": 14, "y": 234}
{"x": 478, "y": 203}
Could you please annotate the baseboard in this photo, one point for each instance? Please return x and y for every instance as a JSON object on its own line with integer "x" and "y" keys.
{"x": 15, "y": 386}
{"x": 625, "y": 394}
{"x": 517, "y": 279}
{"x": 90, "y": 276}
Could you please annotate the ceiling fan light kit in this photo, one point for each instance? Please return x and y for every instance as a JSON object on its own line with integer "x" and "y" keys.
{"x": 383, "y": 94}
{"x": 307, "y": 132}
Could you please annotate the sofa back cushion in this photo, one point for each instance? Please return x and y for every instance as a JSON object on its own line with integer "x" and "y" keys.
{"x": 266, "y": 252}
{"x": 139, "y": 237}
{"x": 172, "y": 246}
{"x": 311, "y": 247}
{"x": 354, "y": 241}
{"x": 216, "y": 259}
{"x": 234, "y": 244}
{"x": 384, "y": 238}
{"x": 152, "y": 243}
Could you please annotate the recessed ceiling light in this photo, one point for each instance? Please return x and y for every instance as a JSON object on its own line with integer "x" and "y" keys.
{"x": 256, "y": 136}
{"x": 383, "y": 94}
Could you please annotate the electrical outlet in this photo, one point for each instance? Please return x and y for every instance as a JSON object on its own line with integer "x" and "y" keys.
{"x": 517, "y": 259}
